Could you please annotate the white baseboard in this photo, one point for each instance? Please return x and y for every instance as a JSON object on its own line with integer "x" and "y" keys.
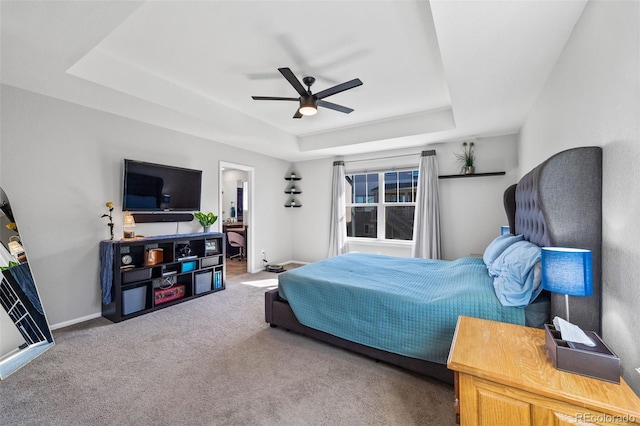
{"x": 286, "y": 262}
{"x": 74, "y": 321}
{"x": 293, "y": 261}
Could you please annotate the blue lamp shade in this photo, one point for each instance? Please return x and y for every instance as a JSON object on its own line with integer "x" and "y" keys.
{"x": 504, "y": 230}
{"x": 567, "y": 271}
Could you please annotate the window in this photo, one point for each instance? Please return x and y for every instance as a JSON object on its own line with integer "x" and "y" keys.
{"x": 386, "y": 216}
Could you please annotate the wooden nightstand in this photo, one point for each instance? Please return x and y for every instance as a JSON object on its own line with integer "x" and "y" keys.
{"x": 504, "y": 376}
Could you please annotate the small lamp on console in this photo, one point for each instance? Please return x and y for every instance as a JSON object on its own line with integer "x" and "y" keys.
{"x": 129, "y": 222}
{"x": 567, "y": 271}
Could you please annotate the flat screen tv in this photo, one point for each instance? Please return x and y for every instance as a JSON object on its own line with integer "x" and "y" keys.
{"x": 157, "y": 187}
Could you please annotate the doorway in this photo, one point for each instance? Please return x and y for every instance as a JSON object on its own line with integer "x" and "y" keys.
{"x": 236, "y": 212}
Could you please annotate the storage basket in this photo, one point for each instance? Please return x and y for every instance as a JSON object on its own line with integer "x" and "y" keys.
{"x": 136, "y": 275}
{"x": 210, "y": 261}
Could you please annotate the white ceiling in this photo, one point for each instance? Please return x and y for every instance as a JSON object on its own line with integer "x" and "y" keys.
{"x": 432, "y": 71}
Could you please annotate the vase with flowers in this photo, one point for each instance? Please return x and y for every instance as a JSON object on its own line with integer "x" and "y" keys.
{"x": 109, "y": 205}
{"x": 467, "y": 158}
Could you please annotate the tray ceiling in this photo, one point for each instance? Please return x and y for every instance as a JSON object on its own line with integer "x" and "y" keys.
{"x": 432, "y": 71}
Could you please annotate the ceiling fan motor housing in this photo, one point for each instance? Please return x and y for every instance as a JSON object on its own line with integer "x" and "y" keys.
{"x": 310, "y": 101}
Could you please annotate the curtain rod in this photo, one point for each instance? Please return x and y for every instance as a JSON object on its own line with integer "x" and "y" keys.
{"x": 382, "y": 158}
{"x": 422, "y": 154}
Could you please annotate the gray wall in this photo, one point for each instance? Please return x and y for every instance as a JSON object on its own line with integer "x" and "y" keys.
{"x": 593, "y": 98}
{"x": 61, "y": 162}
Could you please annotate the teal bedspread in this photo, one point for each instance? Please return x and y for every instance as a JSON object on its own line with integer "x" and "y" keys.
{"x": 402, "y": 305}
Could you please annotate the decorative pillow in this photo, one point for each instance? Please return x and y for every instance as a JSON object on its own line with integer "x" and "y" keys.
{"x": 497, "y": 246}
{"x": 517, "y": 275}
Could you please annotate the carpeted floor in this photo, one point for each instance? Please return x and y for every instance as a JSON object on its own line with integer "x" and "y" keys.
{"x": 213, "y": 361}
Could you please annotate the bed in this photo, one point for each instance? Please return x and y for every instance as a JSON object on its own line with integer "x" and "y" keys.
{"x": 403, "y": 311}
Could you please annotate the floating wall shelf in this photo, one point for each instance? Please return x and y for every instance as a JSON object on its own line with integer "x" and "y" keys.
{"x": 472, "y": 175}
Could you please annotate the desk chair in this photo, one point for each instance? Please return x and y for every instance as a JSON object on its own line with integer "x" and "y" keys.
{"x": 236, "y": 240}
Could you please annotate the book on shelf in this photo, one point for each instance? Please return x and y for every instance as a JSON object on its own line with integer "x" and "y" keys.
{"x": 182, "y": 259}
{"x": 217, "y": 280}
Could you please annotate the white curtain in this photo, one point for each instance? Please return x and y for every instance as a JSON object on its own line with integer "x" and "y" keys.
{"x": 426, "y": 223}
{"x": 338, "y": 229}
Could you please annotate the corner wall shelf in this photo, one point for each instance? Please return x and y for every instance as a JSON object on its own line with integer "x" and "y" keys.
{"x": 293, "y": 190}
{"x": 472, "y": 175}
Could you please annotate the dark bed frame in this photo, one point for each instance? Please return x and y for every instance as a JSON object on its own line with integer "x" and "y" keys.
{"x": 559, "y": 203}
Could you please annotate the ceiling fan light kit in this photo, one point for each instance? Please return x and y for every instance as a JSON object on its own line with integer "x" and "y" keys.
{"x": 310, "y": 102}
{"x": 308, "y": 106}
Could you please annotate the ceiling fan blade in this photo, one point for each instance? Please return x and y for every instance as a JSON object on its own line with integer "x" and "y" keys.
{"x": 298, "y": 114}
{"x": 339, "y": 88}
{"x": 273, "y": 98}
{"x": 293, "y": 80}
{"x": 335, "y": 107}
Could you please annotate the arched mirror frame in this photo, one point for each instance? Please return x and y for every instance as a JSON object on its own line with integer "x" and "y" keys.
{"x": 24, "y": 329}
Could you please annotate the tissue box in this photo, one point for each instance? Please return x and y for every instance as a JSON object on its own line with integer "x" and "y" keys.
{"x": 598, "y": 362}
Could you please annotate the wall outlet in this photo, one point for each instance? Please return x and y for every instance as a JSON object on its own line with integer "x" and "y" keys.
{"x": 263, "y": 251}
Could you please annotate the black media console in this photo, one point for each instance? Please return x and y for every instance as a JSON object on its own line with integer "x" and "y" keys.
{"x": 146, "y": 274}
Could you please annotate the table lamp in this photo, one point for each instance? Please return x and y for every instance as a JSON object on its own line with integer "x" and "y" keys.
{"x": 567, "y": 271}
{"x": 129, "y": 222}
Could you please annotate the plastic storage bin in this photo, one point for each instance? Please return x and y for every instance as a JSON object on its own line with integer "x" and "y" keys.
{"x": 134, "y": 299}
{"x": 203, "y": 282}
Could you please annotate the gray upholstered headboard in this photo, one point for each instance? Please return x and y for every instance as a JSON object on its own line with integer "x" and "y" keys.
{"x": 559, "y": 203}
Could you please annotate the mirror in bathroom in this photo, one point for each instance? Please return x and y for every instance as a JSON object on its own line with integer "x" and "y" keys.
{"x": 24, "y": 330}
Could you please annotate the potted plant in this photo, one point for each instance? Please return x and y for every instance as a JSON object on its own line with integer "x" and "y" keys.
{"x": 206, "y": 219}
{"x": 467, "y": 157}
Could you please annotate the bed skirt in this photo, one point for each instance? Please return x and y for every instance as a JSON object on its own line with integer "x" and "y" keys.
{"x": 278, "y": 313}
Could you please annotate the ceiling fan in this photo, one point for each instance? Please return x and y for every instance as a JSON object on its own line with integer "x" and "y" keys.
{"x": 309, "y": 102}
